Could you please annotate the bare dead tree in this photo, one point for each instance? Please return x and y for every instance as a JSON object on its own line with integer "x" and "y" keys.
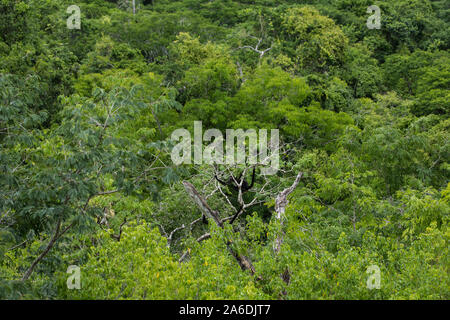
{"x": 235, "y": 178}
{"x": 256, "y": 48}
{"x": 238, "y": 188}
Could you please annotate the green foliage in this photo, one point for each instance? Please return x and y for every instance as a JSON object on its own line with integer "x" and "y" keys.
{"x": 143, "y": 268}
{"x": 86, "y": 176}
{"x": 318, "y": 42}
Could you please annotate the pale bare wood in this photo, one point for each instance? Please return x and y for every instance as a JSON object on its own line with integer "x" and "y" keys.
{"x": 280, "y": 207}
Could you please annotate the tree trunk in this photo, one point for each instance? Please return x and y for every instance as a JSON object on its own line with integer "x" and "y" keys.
{"x": 243, "y": 261}
{"x": 280, "y": 208}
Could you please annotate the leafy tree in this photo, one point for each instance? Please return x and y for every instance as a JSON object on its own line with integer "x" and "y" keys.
{"x": 318, "y": 42}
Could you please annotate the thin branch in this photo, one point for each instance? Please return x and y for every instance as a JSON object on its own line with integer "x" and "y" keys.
{"x": 17, "y": 245}
{"x": 117, "y": 236}
{"x": 169, "y": 238}
{"x": 57, "y": 234}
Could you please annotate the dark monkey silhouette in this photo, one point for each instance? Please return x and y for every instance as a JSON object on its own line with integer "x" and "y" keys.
{"x": 234, "y": 189}
{"x": 232, "y": 183}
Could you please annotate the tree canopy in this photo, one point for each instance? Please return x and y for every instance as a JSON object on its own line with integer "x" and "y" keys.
{"x": 87, "y": 179}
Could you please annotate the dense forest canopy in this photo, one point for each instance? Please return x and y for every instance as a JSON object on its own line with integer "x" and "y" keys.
{"x": 87, "y": 181}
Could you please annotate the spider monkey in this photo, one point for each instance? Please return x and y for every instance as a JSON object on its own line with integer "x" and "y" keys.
{"x": 231, "y": 183}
